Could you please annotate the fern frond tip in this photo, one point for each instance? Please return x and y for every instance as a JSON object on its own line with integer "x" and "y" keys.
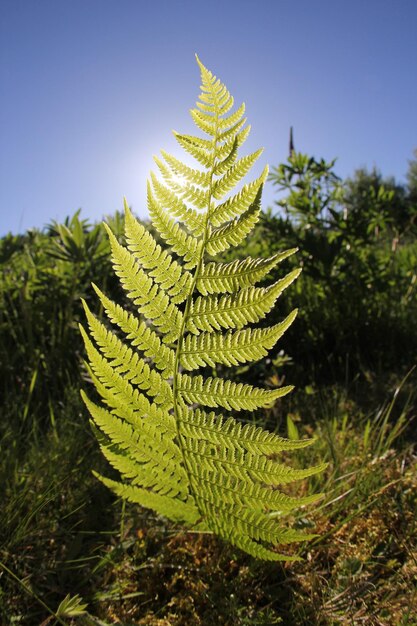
{"x": 126, "y": 206}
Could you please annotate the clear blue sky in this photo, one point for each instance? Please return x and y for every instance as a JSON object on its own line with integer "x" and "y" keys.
{"x": 91, "y": 89}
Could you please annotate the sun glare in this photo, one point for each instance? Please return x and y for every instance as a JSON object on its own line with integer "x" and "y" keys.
{"x": 178, "y": 180}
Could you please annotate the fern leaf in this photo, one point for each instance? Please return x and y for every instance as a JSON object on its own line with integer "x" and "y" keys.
{"x": 162, "y": 268}
{"x": 200, "y": 149}
{"x": 254, "y": 497}
{"x": 151, "y": 301}
{"x": 121, "y": 390}
{"x": 142, "y": 437}
{"x": 235, "y": 311}
{"x": 229, "y": 463}
{"x": 214, "y": 92}
{"x": 183, "y": 244}
{"x": 227, "y": 151}
{"x": 231, "y": 124}
{"x": 181, "y": 191}
{"x": 172, "y": 508}
{"x": 233, "y": 435}
{"x": 178, "y": 168}
{"x": 234, "y": 174}
{"x": 229, "y": 277}
{"x": 215, "y": 392}
{"x": 150, "y": 475}
{"x": 233, "y": 461}
{"x": 232, "y": 347}
{"x": 240, "y": 202}
{"x": 202, "y": 468}
{"x": 255, "y": 528}
{"x": 204, "y": 122}
{"x": 171, "y": 202}
{"x": 226, "y": 160}
{"x": 140, "y": 335}
{"x": 235, "y": 231}
{"x": 128, "y": 363}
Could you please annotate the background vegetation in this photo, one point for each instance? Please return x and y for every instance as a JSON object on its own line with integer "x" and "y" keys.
{"x": 71, "y": 553}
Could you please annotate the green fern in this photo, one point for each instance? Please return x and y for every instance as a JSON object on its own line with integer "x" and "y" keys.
{"x": 207, "y": 470}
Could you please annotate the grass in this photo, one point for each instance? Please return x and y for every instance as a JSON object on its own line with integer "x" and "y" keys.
{"x": 67, "y": 543}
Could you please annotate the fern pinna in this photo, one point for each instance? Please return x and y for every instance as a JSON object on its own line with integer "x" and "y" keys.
{"x": 189, "y": 463}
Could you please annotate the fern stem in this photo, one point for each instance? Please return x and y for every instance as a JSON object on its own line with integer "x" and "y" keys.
{"x": 175, "y": 386}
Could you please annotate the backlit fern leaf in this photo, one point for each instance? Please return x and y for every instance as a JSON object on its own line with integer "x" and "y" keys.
{"x": 237, "y": 204}
{"x": 215, "y": 392}
{"x": 167, "y": 197}
{"x": 152, "y": 301}
{"x": 172, "y": 277}
{"x": 229, "y": 277}
{"x": 140, "y": 335}
{"x": 234, "y": 174}
{"x": 185, "y": 245}
{"x": 231, "y": 347}
{"x": 235, "y": 311}
{"x": 205, "y": 469}
{"x": 235, "y": 231}
{"x": 127, "y": 362}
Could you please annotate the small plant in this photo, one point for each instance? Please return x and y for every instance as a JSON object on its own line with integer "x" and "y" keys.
{"x": 202, "y": 468}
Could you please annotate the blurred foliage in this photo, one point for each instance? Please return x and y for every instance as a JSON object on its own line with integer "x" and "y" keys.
{"x": 43, "y": 275}
{"x": 358, "y": 249}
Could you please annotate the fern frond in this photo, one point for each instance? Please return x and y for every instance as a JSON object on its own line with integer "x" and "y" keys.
{"x": 169, "y": 274}
{"x": 207, "y": 470}
{"x": 229, "y": 147}
{"x": 229, "y": 277}
{"x": 151, "y": 475}
{"x": 223, "y": 127}
{"x": 200, "y": 149}
{"x": 117, "y": 404}
{"x": 251, "y": 532}
{"x": 151, "y": 301}
{"x": 167, "y": 198}
{"x": 233, "y": 436}
{"x": 170, "y": 507}
{"x": 255, "y": 496}
{"x": 178, "y": 168}
{"x": 141, "y": 437}
{"x": 214, "y": 92}
{"x": 183, "y": 244}
{"x": 181, "y": 191}
{"x": 204, "y": 122}
{"x": 242, "y": 464}
{"x": 253, "y": 548}
{"x": 235, "y": 231}
{"x": 128, "y": 363}
{"x": 238, "y": 203}
{"x": 215, "y": 392}
{"x": 231, "y": 124}
{"x": 251, "y": 304}
{"x": 229, "y": 463}
{"x": 232, "y": 347}
{"x": 234, "y": 174}
{"x": 118, "y": 388}
{"x": 140, "y": 335}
